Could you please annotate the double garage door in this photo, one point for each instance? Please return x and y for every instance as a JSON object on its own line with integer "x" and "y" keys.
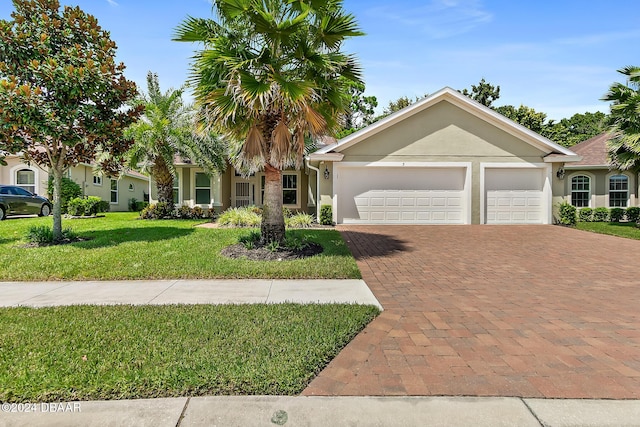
{"x": 436, "y": 195}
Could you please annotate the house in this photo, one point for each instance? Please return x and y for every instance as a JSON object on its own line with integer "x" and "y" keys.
{"x": 130, "y": 185}
{"x": 591, "y": 183}
{"x": 443, "y": 160}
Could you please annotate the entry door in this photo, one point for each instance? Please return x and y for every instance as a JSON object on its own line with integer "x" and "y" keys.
{"x": 244, "y": 194}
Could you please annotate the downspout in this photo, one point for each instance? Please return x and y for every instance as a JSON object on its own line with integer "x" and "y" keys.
{"x": 317, "y": 187}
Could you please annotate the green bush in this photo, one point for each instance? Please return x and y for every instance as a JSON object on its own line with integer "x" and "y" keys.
{"x": 585, "y": 214}
{"x": 70, "y": 190}
{"x": 87, "y": 206}
{"x": 103, "y": 206}
{"x": 601, "y": 214}
{"x": 43, "y": 235}
{"x": 326, "y": 215}
{"x": 158, "y": 211}
{"x": 617, "y": 214}
{"x": 136, "y": 205}
{"x": 240, "y": 217}
{"x": 299, "y": 220}
{"x": 633, "y": 214}
{"x": 567, "y": 214}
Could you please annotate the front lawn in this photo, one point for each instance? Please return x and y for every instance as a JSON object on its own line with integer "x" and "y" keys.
{"x": 122, "y": 247}
{"x": 123, "y": 352}
{"x": 620, "y": 229}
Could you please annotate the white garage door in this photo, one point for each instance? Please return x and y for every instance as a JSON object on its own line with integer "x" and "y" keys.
{"x": 514, "y": 196}
{"x": 407, "y": 195}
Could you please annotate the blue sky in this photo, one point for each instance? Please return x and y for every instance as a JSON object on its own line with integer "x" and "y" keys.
{"x": 558, "y": 57}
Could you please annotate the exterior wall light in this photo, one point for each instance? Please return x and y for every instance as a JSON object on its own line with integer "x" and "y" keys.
{"x": 326, "y": 172}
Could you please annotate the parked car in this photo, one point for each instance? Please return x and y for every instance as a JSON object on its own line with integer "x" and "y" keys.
{"x": 16, "y": 200}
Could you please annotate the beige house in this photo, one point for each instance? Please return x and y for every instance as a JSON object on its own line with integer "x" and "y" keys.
{"x": 118, "y": 192}
{"x": 444, "y": 160}
{"x": 591, "y": 183}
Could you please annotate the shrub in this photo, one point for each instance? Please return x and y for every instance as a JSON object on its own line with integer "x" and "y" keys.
{"x": 157, "y": 211}
{"x": 299, "y": 220}
{"x": 103, "y": 206}
{"x": 287, "y": 213}
{"x": 43, "y": 235}
{"x": 136, "y": 205}
{"x": 633, "y": 214}
{"x": 617, "y": 214}
{"x": 295, "y": 243}
{"x": 601, "y": 214}
{"x": 326, "y": 215}
{"x": 249, "y": 241}
{"x": 240, "y": 217}
{"x": 87, "y": 206}
{"x": 585, "y": 214}
{"x": 567, "y": 214}
{"x": 70, "y": 190}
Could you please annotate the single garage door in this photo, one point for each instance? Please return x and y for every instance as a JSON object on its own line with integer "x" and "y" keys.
{"x": 401, "y": 195}
{"x": 514, "y": 196}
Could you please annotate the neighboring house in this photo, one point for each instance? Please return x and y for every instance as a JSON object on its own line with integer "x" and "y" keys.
{"x": 130, "y": 185}
{"x": 443, "y": 160}
{"x": 591, "y": 183}
{"x": 193, "y": 187}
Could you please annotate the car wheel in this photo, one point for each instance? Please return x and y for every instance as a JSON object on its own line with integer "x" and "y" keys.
{"x": 3, "y": 214}
{"x": 45, "y": 210}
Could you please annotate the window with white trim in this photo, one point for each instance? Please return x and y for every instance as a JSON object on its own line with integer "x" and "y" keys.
{"x": 131, "y": 187}
{"x": 203, "y": 189}
{"x": 618, "y": 191}
{"x": 114, "y": 191}
{"x": 26, "y": 179}
{"x": 97, "y": 180}
{"x": 289, "y": 189}
{"x": 580, "y": 191}
{"x": 176, "y": 190}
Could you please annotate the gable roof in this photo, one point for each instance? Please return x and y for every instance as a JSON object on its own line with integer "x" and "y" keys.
{"x": 558, "y": 153}
{"x": 593, "y": 151}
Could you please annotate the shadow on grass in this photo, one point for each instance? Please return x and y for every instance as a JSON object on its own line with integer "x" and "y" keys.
{"x": 367, "y": 245}
{"x": 116, "y": 236}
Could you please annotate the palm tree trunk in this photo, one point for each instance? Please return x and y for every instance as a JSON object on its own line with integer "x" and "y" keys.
{"x": 164, "y": 182}
{"x": 272, "y": 226}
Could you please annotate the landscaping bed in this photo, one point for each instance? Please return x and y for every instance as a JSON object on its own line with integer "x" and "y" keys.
{"x": 123, "y": 352}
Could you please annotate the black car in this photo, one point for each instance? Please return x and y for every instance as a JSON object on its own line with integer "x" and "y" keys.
{"x": 16, "y": 200}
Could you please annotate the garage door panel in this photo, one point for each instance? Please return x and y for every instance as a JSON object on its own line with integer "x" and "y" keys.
{"x": 401, "y": 195}
{"x": 514, "y": 207}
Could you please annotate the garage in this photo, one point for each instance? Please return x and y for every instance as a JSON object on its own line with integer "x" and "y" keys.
{"x": 402, "y": 195}
{"x": 515, "y": 195}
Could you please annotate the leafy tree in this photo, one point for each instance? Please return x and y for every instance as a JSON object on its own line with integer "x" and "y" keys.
{"x": 624, "y": 147}
{"x": 485, "y": 93}
{"x": 575, "y": 129}
{"x": 167, "y": 128}
{"x": 361, "y": 108}
{"x": 267, "y": 77}
{"x": 61, "y": 93}
{"x": 526, "y": 116}
{"x": 398, "y": 105}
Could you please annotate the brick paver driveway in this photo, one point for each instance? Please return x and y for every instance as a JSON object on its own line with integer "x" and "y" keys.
{"x": 531, "y": 311}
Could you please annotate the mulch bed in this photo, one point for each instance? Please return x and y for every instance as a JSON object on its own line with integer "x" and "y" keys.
{"x": 263, "y": 254}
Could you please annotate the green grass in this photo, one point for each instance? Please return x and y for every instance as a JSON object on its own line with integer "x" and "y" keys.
{"x": 122, "y": 247}
{"x": 620, "y": 229}
{"x": 162, "y": 351}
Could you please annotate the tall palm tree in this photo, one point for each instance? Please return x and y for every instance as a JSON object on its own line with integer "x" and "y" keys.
{"x": 166, "y": 129}
{"x": 624, "y": 146}
{"x": 267, "y": 77}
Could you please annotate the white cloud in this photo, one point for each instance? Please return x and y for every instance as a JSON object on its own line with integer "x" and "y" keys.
{"x": 112, "y": 3}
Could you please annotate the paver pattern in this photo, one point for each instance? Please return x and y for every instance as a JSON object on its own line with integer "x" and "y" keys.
{"x": 530, "y": 311}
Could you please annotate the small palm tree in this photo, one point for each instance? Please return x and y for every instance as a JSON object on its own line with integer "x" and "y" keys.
{"x": 167, "y": 129}
{"x": 268, "y": 77}
{"x": 624, "y": 146}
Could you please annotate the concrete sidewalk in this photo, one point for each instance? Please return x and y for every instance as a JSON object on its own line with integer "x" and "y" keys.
{"x": 331, "y": 411}
{"x": 241, "y": 291}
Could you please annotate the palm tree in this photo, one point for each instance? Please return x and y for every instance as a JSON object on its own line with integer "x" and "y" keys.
{"x": 624, "y": 146}
{"x": 167, "y": 129}
{"x": 269, "y": 75}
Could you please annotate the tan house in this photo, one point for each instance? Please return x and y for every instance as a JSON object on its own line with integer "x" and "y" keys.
{"x": 591, "y": 183}
{"x": 130, "y": 185}
{"x": 443, "y": 160}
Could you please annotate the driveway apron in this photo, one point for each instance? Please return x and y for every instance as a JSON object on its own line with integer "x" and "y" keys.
{"x": 478, "y": 310}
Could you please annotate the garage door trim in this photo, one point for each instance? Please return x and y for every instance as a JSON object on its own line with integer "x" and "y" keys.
{"x": 467, "y": 166}
{"x": 546, "y": 188}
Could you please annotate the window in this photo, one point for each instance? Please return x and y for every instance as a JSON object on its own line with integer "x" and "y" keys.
{"x": 26, "y": 179}
{"x": 131, "y": 188}
{"x": 580, "y": 191}
{"x": 203, "y": 189}
{"x": 176, "y": 190}
{"x": 114, "y": 191}
{"x": 618, "y": 191}
{"x": 97, "y": 179}
{"x": 289, "y": 189}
